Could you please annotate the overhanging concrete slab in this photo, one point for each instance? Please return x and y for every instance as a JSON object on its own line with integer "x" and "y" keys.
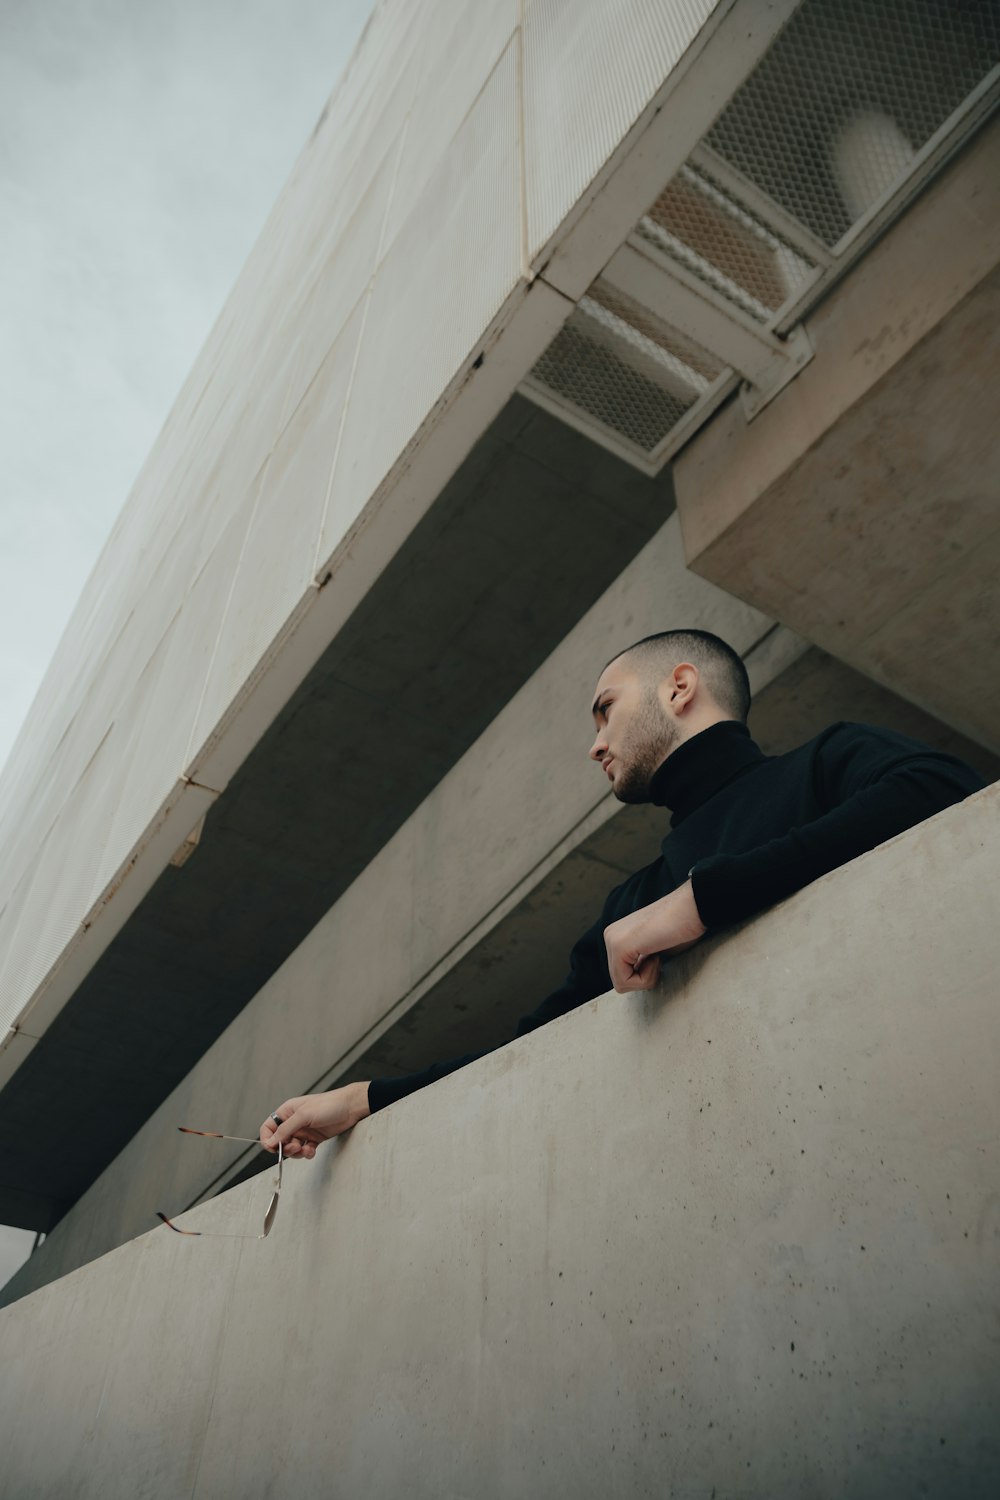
{"x": 861, "y": 508}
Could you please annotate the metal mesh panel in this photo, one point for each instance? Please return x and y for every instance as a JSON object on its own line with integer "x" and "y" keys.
{"x": 834, "y": 113}
{"x": 702, "y": 227}
{"x": 623, "y": 368}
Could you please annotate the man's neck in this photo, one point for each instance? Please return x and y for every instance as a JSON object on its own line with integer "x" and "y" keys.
{"x": 702, "y": 763}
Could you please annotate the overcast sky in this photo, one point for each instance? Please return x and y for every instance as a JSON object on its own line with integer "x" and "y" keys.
{"x": 142, "y": 144}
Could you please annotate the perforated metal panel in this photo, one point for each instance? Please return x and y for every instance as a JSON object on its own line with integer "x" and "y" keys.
{"x": 834, "y": 114}
{"x": 733, "y": 250}
{"x": 847, "y": 113}
{"x": 624, "y": 369}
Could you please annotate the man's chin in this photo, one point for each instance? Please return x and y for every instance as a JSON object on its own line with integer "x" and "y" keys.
{"x": 631, "y": 791}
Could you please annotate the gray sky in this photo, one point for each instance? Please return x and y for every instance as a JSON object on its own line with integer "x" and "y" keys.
{"x": 141, "y": 147}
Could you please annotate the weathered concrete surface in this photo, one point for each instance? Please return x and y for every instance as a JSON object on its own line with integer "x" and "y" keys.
{"x": 861, "y": 508}
{"x": 738, "y": 1235}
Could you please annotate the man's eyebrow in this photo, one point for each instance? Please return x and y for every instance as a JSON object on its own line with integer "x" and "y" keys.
{"x": 597, "y": 701}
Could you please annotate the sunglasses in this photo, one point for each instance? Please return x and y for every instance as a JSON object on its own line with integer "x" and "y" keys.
{"x": 272, "y": 1207}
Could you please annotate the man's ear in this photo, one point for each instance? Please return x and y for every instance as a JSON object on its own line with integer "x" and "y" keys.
{"x": 682, "y": 686}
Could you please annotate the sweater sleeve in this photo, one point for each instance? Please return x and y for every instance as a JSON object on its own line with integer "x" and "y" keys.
{"x": 588, "y": 976}
{"x": 875, "y": 784}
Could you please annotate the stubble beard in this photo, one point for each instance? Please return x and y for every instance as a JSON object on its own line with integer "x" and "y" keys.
{"x": 649, "y": 739}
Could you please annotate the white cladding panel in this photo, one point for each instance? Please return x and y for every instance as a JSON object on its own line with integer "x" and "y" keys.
{"x": 454, "y": 262}
{"x": 460, "y": 48}
{"x": 589, "y": 72}
{"x": 275, "y": 573}
{"x": 403, "y": 234}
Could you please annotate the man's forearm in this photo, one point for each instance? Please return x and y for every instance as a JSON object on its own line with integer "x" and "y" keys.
{"x": 730, "y": 888}
{"x": 383, "y": 1091}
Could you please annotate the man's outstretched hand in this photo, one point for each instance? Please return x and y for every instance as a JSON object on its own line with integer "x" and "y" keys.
{"x": 637, "y": 942}
{"x": 311, "y": 1119}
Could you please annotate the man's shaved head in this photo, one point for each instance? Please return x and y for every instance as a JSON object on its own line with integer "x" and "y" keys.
{"x": 720, "y": 668}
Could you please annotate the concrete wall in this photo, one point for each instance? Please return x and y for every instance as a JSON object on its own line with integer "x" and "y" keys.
{"x": 738, "y": 1236}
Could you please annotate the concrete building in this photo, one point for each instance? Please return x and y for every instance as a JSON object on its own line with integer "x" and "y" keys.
{"x": 574, "y": 322}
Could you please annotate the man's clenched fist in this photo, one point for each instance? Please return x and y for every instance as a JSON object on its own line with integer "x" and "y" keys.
{"x": 636, "y": 943}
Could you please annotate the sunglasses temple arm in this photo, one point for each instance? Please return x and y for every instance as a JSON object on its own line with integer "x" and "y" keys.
{"x": 216, "y": 1135}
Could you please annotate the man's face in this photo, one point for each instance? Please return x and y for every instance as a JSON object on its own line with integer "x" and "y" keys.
{"x": 635, "y": 734}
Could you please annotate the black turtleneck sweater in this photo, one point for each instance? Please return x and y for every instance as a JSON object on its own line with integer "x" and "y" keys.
{"x": 751, "y": 829}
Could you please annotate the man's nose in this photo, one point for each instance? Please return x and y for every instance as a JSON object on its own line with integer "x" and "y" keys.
{"x": 599, "y": 748}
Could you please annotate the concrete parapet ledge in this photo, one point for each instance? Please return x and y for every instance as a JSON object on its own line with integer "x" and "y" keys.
{"x": 739, "y": 1234}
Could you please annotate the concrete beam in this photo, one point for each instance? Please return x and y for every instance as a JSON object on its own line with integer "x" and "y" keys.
{"x": 860, "y": 508}
{"x": 737, "y": 1234}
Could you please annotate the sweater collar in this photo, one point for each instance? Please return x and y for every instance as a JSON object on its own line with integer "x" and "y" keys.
{"x": 700, "y": 766}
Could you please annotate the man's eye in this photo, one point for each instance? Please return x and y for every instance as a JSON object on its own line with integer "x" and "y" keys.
{"x": 603, "y": 709}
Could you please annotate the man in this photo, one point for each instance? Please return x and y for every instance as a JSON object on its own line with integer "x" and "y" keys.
{"x": 746, "y": 830}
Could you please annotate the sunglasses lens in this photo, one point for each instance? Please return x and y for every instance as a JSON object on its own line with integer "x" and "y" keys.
{"x": 272, "y": 1209}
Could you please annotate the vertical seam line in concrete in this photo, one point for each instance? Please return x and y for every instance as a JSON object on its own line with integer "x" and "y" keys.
{"x": 522, "y": 145}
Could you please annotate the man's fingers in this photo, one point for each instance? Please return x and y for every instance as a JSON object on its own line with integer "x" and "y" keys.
{"x": 621, "y": 973}
{"x": 648, "y": 972}
{"x": 644, "y": 974}
{"x": 630, "y": 971}
{"x": 290, "y": 1126}
{"x": 273, "y": 1129}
